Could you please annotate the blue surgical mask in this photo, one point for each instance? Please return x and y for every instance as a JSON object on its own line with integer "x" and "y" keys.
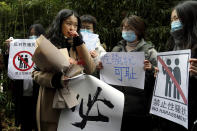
{"x": 176, "y": 25}
{"x": 33, "y": 37}
{"x": 86, "y": 30}
{"x": 129, "y": 36}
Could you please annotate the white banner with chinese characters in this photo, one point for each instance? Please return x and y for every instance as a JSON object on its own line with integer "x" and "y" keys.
{"x": 100, "y": 109}
{"x": 123, "y": 68}
{"x": 20, "y": 64}
{"x": 170, "y": 96}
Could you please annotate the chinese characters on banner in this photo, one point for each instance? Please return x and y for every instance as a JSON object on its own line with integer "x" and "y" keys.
{"x": 20, "y": 64}
{"x": 170, "y": 96}
{"x": 123, "y": 68}
{"x": 100, "y": 108}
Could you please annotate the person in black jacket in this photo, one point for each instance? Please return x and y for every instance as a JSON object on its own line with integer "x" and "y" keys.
{"x": 184, "y": 36}
{"x": 25, "y": 91}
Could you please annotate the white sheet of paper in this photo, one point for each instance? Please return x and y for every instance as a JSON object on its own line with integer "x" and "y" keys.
{"x": 103, "y": 113}
{"x": 166, "y": 102}
{"x": 123, "y": 68}
{"x": 20, "y": 64}
{"x": 90, "y": 40}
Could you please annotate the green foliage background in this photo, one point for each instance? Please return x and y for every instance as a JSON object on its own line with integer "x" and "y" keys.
{"x": 16, "y": 16}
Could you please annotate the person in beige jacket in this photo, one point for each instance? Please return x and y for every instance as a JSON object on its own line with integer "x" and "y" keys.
{"x": 63, "y": 33}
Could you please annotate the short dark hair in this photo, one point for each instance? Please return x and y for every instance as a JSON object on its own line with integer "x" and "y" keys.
{"x": 89, "y": 19}
{"x": 137, "y": 23}
{"x": 39, "y": 29}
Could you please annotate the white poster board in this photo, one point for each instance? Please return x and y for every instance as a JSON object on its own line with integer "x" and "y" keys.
{"x": 123, "y": 68}
{"x": 90, "y": 40}
{"x": 170, "y": 96}
{"x": 100, "y": 108}
{"x": 20, "y": 64}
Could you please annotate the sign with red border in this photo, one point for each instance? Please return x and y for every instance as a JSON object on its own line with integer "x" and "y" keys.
{"x": 170, "y": 95}
{"x": 20, "y": 59}
{"x": 19, "y": 56}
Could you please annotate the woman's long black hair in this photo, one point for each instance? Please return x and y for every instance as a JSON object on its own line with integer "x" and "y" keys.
{"x": 55, "y": 34}
{"x": 187, "y": 14}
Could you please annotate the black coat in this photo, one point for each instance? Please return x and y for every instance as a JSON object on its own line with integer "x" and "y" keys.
{"x": 192, "y": 90}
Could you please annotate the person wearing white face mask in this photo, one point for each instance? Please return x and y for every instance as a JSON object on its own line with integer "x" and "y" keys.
{"x": 135, "y": 115}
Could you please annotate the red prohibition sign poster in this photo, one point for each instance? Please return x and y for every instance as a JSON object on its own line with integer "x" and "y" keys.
{"x": 24, "y": 64}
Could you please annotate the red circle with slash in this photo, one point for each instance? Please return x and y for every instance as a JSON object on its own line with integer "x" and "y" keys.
{"x": 18, "y": 54}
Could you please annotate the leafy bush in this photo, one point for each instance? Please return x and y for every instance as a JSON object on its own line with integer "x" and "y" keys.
{"x": 17, "y": 16}
{"x": 6, "y": 100}
{"x": 156, "y": 14}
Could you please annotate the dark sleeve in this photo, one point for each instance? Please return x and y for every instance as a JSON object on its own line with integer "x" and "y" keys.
{"x": 77, "y": 41}
{"x": 56, "y": 80}
{"x": 149, "y": 87}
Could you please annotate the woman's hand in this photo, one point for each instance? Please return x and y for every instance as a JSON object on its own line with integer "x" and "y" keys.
{"x": 193, "y": 66}
{"x": 156, "y": 71}
{"x": 73, "y": 33}
{"x": 147, "y": 65}
{"x": 93, "y": 54}
{"x": 64, "y": 81}
{"x": 7, "y": 44}
{"x": 77, "y": 40}
{"x": 99, "y": 66}
{"x": 72, "y": 61}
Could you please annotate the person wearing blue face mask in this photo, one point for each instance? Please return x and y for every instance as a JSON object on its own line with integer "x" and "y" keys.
{"x": 176, "y": 25}
{"x": 25, "y": 91}
{"x": 35, "y": 31}
{"x": 33, "y": 37}
{"x": 135, "y": 115}
{"x": 88, "y": 24}
{"x": 129, "y": 36}
{"x": 184, "y": 36}
{"x": 86, "y": 30}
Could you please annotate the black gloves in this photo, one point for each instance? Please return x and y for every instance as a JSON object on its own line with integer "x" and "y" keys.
{"x": 77, "y": 41}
